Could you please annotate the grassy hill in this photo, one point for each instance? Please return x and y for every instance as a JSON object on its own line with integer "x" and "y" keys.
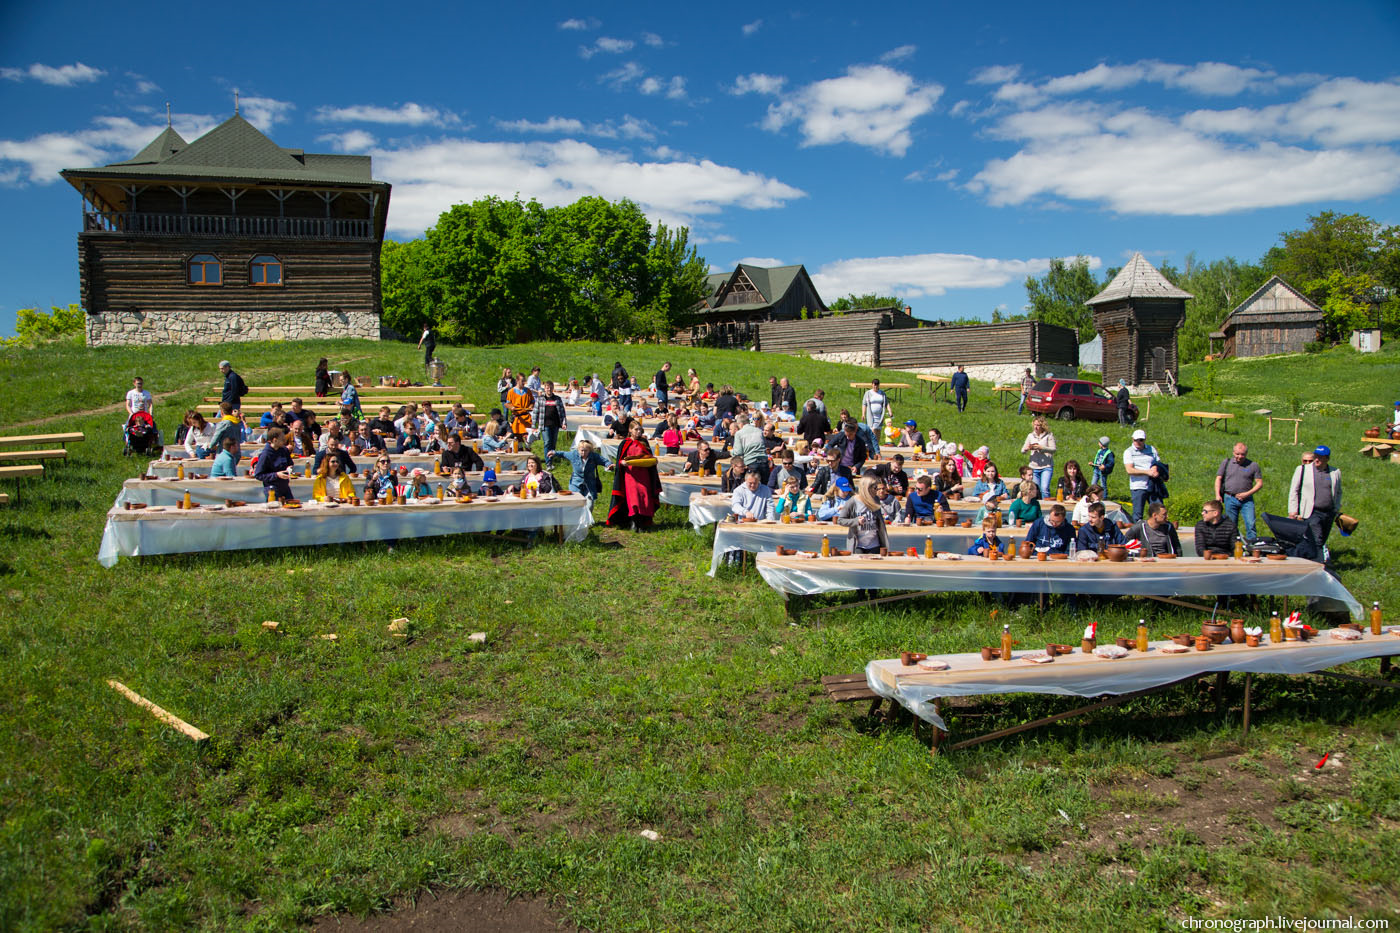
{"x": 621, "y": 689}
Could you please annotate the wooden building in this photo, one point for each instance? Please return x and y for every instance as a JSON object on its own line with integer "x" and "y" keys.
{"x": 741, "y": 300}
{"x": 1277, "y": 318}
{"x": 1137, "y": 316}
{"x": 230, "y": 237}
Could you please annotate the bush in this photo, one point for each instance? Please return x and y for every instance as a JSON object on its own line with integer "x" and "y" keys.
{"x": 33, "y": 327}
{"x": 1314, "y": 346}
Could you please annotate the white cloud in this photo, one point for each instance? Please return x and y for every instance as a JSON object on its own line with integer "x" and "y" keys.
{"x": 948, "y": 175}
{"x": 653, "y": 40}
{"x": 264, "y": 112}
{"x": 674, "y": 89}
{"x": 62, "y": 76}
{"x": 758, "y": 84}
{"x": 996, "y": 74}
{"x": 629, "y": 127}
{"x": 1137, "y": 162}
{"x": 37, "y": 160}
{"x": 142, "y": 84}
{"x": 580, "y": 25}
{"x": 900, "y": 53}
{"x": 430, "y": 177}
{"x": 349, "y": 141}
{"x": 924, "y": 274}
{"x": 1338, "y": 112}
{"x": 871, "y": 105}
{"x": 407, "y": 114}
{"x": 766, "y": 261}
{"x": 620, "y": 77}
{"x": 751, "y": 28}
{"x": 608, "y": 45}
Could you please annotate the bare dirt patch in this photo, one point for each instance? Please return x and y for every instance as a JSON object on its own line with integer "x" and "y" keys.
{"x": 453, "y": 911}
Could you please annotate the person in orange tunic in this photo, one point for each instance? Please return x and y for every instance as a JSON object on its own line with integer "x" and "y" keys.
{"x": 521, "y": 402}
{"x": 637, "y": 486}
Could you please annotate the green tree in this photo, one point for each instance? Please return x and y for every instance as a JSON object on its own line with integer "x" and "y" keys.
{"x": 854, "y": 302}
{"x": 1348, "y": 264}
{"x": 1059, "y": 296}
{"x": 33, "y": 327}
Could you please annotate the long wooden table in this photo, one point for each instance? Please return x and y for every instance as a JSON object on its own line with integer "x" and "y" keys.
{"x": 923, "y": 692}
{"x": 171, "y": 491}
{"x": 897, "y": 386}
{"x": 1185, "y": 576}
{"x": 161, "y": 530}
{"x": 936, "y": 385}
{"x": 24, "y": 440}
{"x": 363, "y": 390}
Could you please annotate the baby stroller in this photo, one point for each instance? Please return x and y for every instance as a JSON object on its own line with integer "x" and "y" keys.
{"x": 139, "y": 434}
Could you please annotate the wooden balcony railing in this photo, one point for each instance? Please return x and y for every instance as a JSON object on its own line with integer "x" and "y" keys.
{"x": 224, "y": 225}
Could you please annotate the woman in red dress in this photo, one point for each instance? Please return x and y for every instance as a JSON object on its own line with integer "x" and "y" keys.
{"x": 636, "y": 482}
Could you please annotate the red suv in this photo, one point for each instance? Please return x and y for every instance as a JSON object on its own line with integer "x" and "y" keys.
{"x": 1068, "y": 399}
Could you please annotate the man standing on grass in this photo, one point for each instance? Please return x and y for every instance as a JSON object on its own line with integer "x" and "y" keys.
{"x": 234, "y": 386}
{"x": 138, "y": 399}
{"x": 1124, "y": 403}
{"x": 662, "y": 384}
{"x": 1236, "y": 483}
{"x": 960, "y": 384}
{"x": 1315, "y": 496}
{"x": 1139, "y": 462}
{"x": 428, "y": 343}
{"x": 1027, "y": 383}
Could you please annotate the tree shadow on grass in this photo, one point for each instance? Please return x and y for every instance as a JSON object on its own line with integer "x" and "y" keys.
{"x": 12, "y": 530}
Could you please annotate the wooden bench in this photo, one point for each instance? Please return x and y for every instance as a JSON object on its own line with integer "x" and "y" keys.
{"x": 27, "y": 440}
{"x": 4, "y": 499}
{"x": 1007, "y": 394}
{"x": 289, "y": 391}
{"x": 1209, "y": 419}
{"x": 57, "y": 453}
{"x": 20, "y": 472}
{"x": 848, "y": 688}
{"x": 938, "y": 386}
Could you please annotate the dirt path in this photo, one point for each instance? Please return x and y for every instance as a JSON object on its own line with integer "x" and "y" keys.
{"x": 479, "y": 911}
{"x": 121, "y": 406}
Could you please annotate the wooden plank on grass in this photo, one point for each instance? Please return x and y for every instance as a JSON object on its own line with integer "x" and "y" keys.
{"x": 170, "y": 719}
{"x": 57, "y": 453}
{"x": 15, "y": 472}
{"x": 28, "y": 440}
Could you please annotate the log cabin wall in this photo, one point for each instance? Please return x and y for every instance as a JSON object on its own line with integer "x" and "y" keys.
{"x": 848, "y": 338}
{"x": 1267, "y": 338}
{"x": 1133, "y": 330}
{"x": 150, "y": 274}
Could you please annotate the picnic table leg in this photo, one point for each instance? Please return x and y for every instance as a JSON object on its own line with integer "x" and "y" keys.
{"x": 937, "y": 735}
{"x": 1248, "y": 691}
{"x": 1222, "y": 678}
{"x": 1385, "y": 665}
{"x": 1271, "y": 428}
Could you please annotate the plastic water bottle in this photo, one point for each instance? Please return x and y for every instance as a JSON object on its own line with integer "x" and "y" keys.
{"x": 1073, "y": 548}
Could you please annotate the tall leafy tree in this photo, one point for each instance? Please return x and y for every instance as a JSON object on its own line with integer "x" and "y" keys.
{"x": 1348, "y": 264}
{"x": 1059, "y": 296}
{"x": 854, "y": 302}
{"x": 1219, "y": 286}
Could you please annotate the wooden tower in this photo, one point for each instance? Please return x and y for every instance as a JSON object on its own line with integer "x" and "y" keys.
{"x": 1138, "y": 315}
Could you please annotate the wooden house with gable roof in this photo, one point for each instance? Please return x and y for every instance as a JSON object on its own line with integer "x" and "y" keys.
{"x": 230, "y": 237}
{"x": 1277, "y": 318}
{"x": 741, "y": 300}
{"x": 1137, "y": 316}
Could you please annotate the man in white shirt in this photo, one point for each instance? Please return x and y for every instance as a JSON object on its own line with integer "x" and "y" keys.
{"x": 874, "y": 406}
{"x": 138, "y": 399}
{"x": 1138, "y": 461}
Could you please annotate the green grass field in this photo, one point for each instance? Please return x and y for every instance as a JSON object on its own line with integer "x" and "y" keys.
{"x": 621, "y": 690}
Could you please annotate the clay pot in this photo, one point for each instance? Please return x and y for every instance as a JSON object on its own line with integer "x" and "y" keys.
{"x": 1087, "y": 645}
{"x": 908, "y": 658}
{"x": 1373, "y": 432}
{"x": 1026, "y": 549}
{"x": 1129, "y": 643}
{"x": 1252, "y": 641}
{"x": 967, "y": 523}
{"x": 1125, "y": 525}
{"x": 1041, "y": 555}
{"x": 1237, "y": 631}
{"x": 1053, "y": 649}
{"x": 1203, "y": 643}
{"x": 1215, "y": 631}
{"x": 990, "y": 654}
{"x": 884, "y": 552}
{"x": 1186, "y": 640}
{"x": 1116, "y": 552}
{"x": 785, "y": 551}
{"x": 1059, "y": 557}
{"x": 1018, "y": 523}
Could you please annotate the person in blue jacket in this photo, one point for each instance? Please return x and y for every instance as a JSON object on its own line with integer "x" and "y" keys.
{"x": 989, "y": 540}
{"x": 585, "y": 461}
{"x": 1051, "y": 531}
{"x": 275, "y": 465}
{"x": 960, "y": 384}
{"x": 923, "y": 501}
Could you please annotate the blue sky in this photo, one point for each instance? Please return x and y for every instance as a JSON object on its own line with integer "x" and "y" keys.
{"x": 937, "y": 151}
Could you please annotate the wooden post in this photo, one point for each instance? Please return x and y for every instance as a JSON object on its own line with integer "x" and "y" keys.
{"x": 1248, "y": 692}
{"x": 170, "y": 719}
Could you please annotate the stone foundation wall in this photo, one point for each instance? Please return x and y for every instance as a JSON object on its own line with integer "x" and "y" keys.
{"x": 1008, "y": 374}
{"x": 128, "y": 328}
{"x": 857, "y": 358}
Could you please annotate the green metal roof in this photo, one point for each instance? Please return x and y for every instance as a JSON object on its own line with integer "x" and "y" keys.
{"x": 234, "y": 150}
{"x": 772, "y": 283}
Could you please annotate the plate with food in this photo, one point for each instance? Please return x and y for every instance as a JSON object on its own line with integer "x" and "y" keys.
{"x": 1110, "y": 652}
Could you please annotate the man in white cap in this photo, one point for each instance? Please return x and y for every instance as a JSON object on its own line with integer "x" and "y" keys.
{"x": 1139, "y": 461}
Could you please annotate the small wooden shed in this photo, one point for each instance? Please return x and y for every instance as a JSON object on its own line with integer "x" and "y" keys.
{"x": 1137, "y": 316}
{"x": 1277, "y": 318}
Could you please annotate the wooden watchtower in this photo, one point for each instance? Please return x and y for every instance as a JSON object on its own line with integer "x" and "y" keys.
{"x": 1138, "y": 315}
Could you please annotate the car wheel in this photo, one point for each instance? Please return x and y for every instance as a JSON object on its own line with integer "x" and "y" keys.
{"x": 1065, "y": 414}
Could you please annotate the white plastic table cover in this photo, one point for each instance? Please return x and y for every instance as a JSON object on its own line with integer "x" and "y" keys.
{"x": 677, "y": 489}
{"x": 171, "y": 491}
{"x": 755, "y": 537}
{"x": 1083, "y": 675}
{"x": 172, "y": 531}
{"x": 496, "y": 461}
{"x": 706, "y": 510}
{"x": 1185, "y": 576}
